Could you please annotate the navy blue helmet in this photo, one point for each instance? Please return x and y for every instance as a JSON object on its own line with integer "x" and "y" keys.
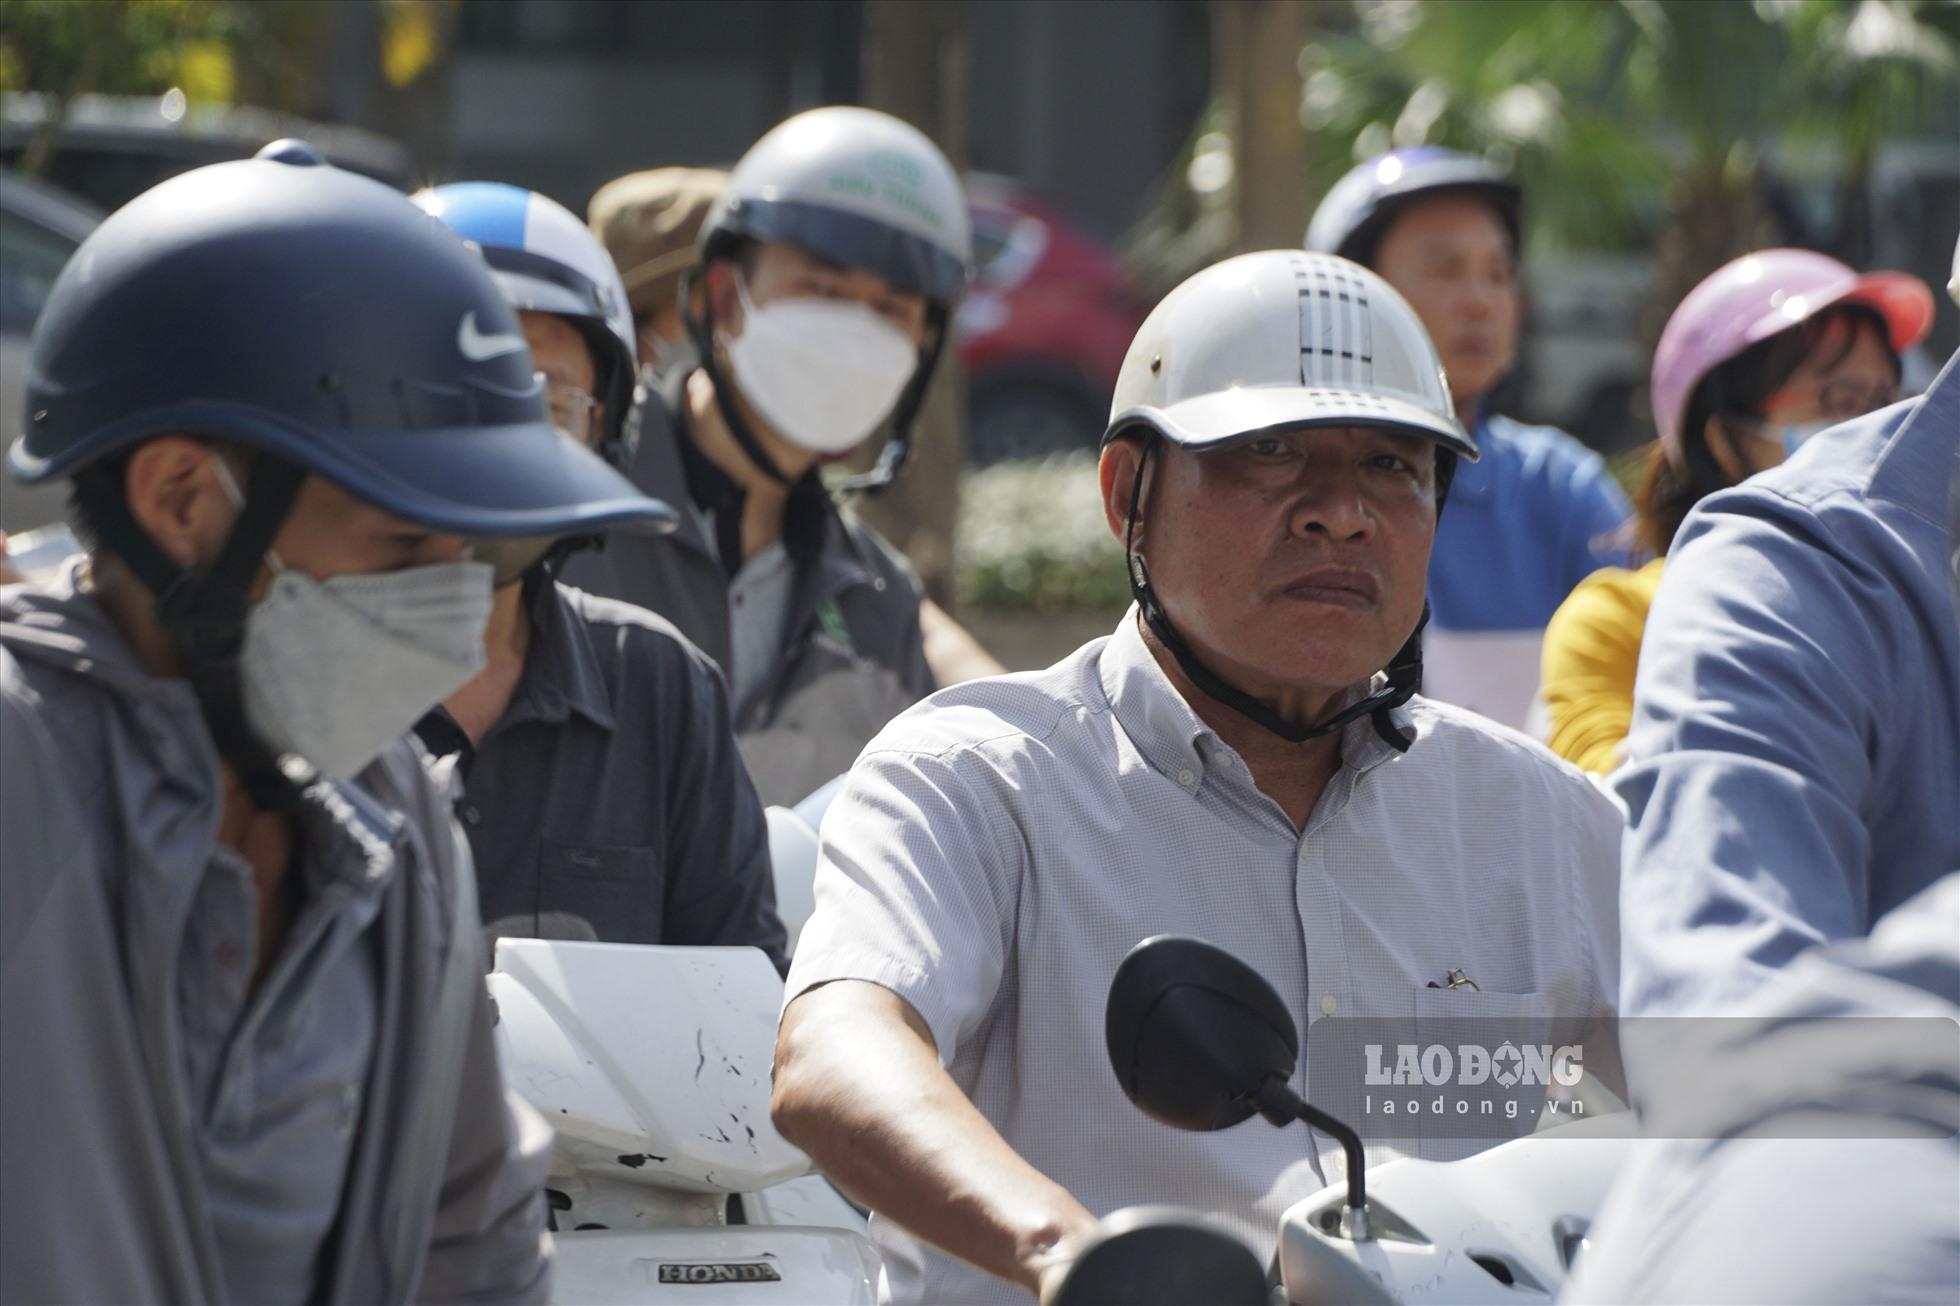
{"x": 320, "y": 317}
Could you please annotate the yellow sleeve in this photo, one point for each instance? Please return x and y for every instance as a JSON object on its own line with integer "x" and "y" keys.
{"x": 1592, "y": 647}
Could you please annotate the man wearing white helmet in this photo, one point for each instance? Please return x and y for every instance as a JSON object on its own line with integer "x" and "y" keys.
{"x": 830, "y": 266}
{"x": 1245, "y": 759}
{"x": 603, "y": 795}
{"x": 1539, "y": 512}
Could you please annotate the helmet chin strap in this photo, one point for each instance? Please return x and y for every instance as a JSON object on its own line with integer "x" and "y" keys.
{"x": 701, "y": 329}
{"x": 897, "y": 449}
{"x": 1404, "y": 670}
{"x": 203, "y": 609}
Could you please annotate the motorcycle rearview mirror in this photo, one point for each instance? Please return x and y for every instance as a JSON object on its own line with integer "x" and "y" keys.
{"x": 1199, "y": 1041}
{"x": 1161, "y": 1256}
{"x": 1194, "y": 1032}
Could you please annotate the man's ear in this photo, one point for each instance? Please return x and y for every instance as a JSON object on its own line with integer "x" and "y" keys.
{"x": 717, "y": 283}
{"x": 175, "y": 496}
{"x": 1116, "y": 474}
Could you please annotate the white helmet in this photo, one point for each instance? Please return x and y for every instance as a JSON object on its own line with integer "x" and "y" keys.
{"x": 860, "y": 188}
{"x": 1283, "y": 340}
{"x": 864, "y": 190}
{"x": 1272, "y": 342}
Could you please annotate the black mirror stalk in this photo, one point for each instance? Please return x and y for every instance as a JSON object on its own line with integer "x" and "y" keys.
{"x": 1280, "y": 1105}
{"x": 1199, "y": 1040}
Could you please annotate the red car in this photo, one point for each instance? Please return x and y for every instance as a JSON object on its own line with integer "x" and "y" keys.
{"x": 1043, "y": 330}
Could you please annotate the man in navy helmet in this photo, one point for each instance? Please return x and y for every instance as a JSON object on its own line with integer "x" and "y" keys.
{"x": 603, "y": 795}
{"x": 830, "y": 265}
{"x": 245, "y": 1051}
{"x": 1538, "y": 512}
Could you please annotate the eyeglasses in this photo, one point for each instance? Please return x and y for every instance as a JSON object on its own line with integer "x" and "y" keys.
{"x": 571, "y": 409}
{"x": 1839, "y": 401}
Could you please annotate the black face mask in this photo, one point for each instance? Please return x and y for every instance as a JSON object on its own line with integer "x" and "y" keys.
{"x": 1404, "y": 670}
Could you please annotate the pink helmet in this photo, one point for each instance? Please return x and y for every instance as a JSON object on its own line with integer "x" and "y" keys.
{"x": 1753, "y": 298}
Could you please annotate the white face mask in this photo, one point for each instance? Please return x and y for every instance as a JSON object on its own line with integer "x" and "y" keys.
{"x": 334, "y": 670}
{"x": 822, "y": 372}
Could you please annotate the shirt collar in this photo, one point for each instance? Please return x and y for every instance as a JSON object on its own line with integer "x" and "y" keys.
{"x": 349, "y": 837}
{"x": 1473, "y": 481}
{"x": 561, "y": 671}
{"x": 1174, "y": 739}
{"x": 1915, "y": 467}
{"x": 805, "y": 516}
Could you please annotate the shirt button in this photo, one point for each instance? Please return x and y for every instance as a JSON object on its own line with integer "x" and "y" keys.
{"x": 1327, "y": 1005}
{"x": 472, "y": 814}
{"x": 1187, "y": 777}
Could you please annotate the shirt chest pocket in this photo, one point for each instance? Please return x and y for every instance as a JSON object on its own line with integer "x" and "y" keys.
{"x": 1490, "y": 1052}
{"x": 580, "y": 861}
{"x": 614, "y": 890}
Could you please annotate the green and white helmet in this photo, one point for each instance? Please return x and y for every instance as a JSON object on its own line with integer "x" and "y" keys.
{"x": 863, "y": 190}
{"x": 857, "y": 187}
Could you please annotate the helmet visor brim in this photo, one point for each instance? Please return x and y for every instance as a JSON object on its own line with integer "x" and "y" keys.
{"x": 1228, "y": 417}
{"x": 910, "y": 263}
{"x": 503, "y": 480}
{"x": 1902, "y": 301}
{"x": 520, "y": 479}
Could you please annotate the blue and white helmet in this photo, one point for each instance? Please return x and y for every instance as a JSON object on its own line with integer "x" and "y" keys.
{"x": 545, "y": 260}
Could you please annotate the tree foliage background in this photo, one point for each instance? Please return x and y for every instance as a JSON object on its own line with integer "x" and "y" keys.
{"x": 1628, "y": 121}
{"x": 264, "y": 53}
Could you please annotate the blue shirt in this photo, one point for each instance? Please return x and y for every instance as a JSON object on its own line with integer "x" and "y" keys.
{"x": 1753, "y": 1120}
{"x": 1794, "y": 766}
{"x": 1537, "y": 514}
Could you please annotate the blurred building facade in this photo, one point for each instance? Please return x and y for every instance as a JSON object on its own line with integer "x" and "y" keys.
{"x": 1086, "y": 103}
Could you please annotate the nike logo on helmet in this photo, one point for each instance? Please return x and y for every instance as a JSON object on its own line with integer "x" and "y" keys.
{"x": 479, "y": 348}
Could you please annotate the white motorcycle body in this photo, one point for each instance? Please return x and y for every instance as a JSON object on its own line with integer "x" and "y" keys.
{"x": 652, "y": 1064}
{"x": 1503, "y": 1226}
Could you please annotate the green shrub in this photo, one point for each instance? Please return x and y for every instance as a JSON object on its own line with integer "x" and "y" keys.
{"x": 1032, "y": 538}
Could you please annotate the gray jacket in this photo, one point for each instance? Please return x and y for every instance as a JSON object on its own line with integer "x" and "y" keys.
{"x": 109, "y": 803}
{"x": 852, "y": 656}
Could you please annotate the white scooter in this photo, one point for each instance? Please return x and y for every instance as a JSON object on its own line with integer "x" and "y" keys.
{"x": 1200, "y": 1041}
{"x": 668, "y": 1182}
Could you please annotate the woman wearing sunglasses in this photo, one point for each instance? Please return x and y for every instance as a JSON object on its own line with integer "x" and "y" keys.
{"x": 1769, "y": 350}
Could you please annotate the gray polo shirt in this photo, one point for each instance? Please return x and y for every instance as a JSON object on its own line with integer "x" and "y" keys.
{"x": 999, "y": 849}
{"x": 609, "y": 802}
